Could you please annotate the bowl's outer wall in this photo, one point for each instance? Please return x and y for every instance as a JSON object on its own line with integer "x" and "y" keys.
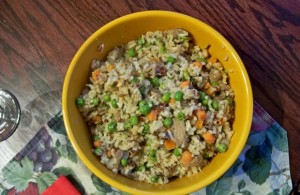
{"x": 130, "y": 27}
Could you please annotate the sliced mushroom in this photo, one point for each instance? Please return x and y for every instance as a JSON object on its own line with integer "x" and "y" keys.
{"x": 160, "y": 69}
{"x": 155, "y": 93}
{"x": 220, "y": 96}
{"x": 117, "y": 158}
{"x": 178, "y": 32}
{"x": 115, "y": 54}
{"x": 178, "y": 130}
{"x": 215, "y": 75}
{"x": 197, "y": 161}
{"x": 224, "y": 87}
{"x": 110, "y": 164}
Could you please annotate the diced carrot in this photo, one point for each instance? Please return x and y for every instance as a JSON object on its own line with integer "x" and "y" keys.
{"x": 186, "y": 158}
{"x": 172, "y": 101}
{"x": 95, "y": 74}
{"x": 199, "y": 124}
{"x": 209, "y": 138}
{"x": 222, "y": 122}
{"x": 201, "y": 115}
{"x": 96, "y": 119}
{"x": 184, "y": 84}
{"x": 97, "y": 143}
{"x": 198, "y": 64}
{"x": 152, "y": 116}
{"x": 209, "y": 91}
{"x": 207, "y": 85}
{"x": 169, "y": 144}
{"x": 213, "y": 60}
{"x": 110, "y": 67}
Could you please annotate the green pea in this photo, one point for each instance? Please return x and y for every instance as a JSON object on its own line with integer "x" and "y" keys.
{"x": 183, "y": 38}
{"x": 106, "y": 97}
{"x": 124, "y": 162}
{"x": 98, "y": 151}
{"x": 161, "y": 85}
{"x": 134, "y": 120}
{"x": 114, "y": 103}
{"x": 171, "y": 59}
{"x": 95, "y": 101}
{"x": 160, "y": 42}
{"x": 202, "y": 95}
{"x": 153, "y": 159}
{"x": 180, "y": 116}
{"x": 134, "y": 80}
{"x": 142, "y": 103}
{"x": 215, "y": 104}
{"x": 131, "y": 52}
{"x": 229, "y": 100}
{"x": 148, "y": 142}
{"x": 221, "y": 147}
{"x": 207, "y": 155}
{"x": 79, "y": 101}
{"x": 215, "y": 83}
{"x": 204, "y": 102}
{"x": 186, "y": 75}
{"x": 166, "y": 97}
{"x": 147, "y": 44}
{"x": 163, "y": 49}
{"x": 152, "y": 153}
{"x": 155, "y": 81}
{"x": 140, "y": 50}
{"x": 140, "y": 41}
{"x": 96, "y": 137}
{"x": 144, "y": 108}
{"x": 154, "y": 179}
{"x": 201, "y": 59}
{"x": 142, "y": 168}
{"x": 112, "y": 126}
{"x": 177, "y": 151}
{"x": 146, "y": 129}
{"x": 178, "y": 96}
{"x": 168, "y": 122}
{"x": 127, "y": 125}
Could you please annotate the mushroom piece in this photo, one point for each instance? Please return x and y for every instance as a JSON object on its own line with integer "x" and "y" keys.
{"x": 178, "y": 32}
{"x": 117, "y": 158}
{"x": 220, "y": 96}
{"x": 178, "y": 130}
{"x": 115, "y": 54}
{"x": 215, "y": 75}
{"x": 197, "y": 161}
{"x": 160, "y": 69}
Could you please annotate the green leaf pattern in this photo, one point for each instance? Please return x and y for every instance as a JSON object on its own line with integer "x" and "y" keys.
{"x": 45, "y": 180}
{"x": 221, "y": 186}
{"x": 241, "y": 184}
{"x": 257, "y": 164}
{"x": 100, "y": 185}
{"x": 18, "y": 174}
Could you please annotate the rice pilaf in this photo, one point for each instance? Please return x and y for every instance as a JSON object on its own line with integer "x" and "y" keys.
{"x": 158, "y": 107}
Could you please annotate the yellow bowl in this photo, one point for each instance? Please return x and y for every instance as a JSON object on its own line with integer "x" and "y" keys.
{"x": 130, "y": 27}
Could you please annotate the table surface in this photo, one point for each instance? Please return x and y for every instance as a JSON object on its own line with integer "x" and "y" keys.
{"x": 39, "y": 38}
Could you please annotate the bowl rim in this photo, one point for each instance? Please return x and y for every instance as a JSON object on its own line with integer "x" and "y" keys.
{"x": 91, "y": 166}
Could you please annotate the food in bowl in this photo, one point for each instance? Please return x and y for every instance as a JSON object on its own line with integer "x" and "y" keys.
{"x": 159, "y": 107}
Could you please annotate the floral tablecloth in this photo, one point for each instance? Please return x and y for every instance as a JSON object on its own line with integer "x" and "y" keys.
{"x": 262, "y": 167}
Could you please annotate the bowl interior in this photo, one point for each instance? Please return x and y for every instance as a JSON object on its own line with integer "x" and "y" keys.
{"x": 131, "y": 27}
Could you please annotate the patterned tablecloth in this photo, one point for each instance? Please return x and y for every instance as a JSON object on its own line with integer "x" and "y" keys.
{"x": 262, "y": 167}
